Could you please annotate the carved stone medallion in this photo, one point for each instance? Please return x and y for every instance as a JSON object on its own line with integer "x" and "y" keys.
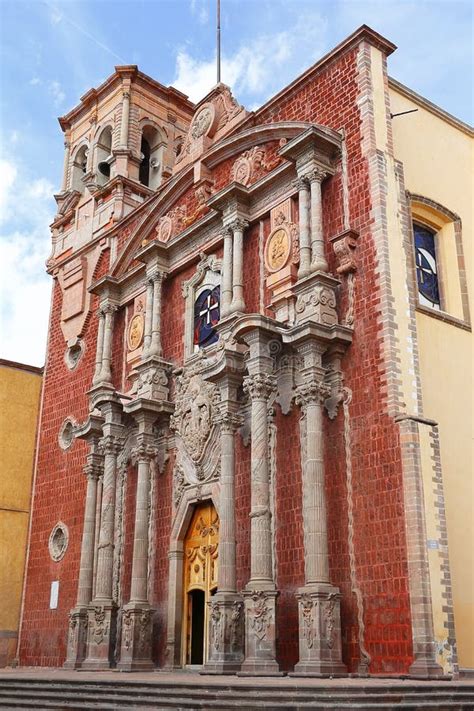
{"x": 135, "y": 331}
{"x": 277, "y": 249}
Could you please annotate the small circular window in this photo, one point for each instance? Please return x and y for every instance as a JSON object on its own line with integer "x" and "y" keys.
{"x": 66, "y": 434}
{"x": 58, "y": 541}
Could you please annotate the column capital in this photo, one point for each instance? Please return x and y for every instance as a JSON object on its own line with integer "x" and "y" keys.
{"x": 107, "y": 308}
{"x": 317, "y": 175}
{"x": 301, "y": 183}
{"x": 144, "y": 450}
{"x": 93, "y": 471}
{"x": 157, "y": 275}
{"x": 239, "y": 224}
{"x": 110, "y": 444}
{"x": 229, "y": 422}
{"x": 312, "y": 392}
{"x": 259, "y": 386}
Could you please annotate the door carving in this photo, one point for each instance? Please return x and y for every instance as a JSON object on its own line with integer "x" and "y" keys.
{"x": 200, "y": 580}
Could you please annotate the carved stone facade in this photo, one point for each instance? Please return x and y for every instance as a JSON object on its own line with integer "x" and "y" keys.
{"x": 229, "y": 388}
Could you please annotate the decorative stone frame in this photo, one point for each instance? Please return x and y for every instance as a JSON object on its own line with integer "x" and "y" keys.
{"x": 57, "y": 550}
{"x": 435, "y": 216}
{"x": 208, "y": 275}
{"x": 196, "y": 495}
{"x": 71, "y": 360}
{"x": 65, "y": 439}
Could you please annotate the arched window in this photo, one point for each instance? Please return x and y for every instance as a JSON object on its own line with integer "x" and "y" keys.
{"x": 202, "y": 305}
{"x": 206, "y": 316}
{"x": 151, "y": 149}
{"x": 104, "y": 155}
{"x": 439, "y": 266}
{"x": 426, "y": 266}
{"x": 79, "y": 167}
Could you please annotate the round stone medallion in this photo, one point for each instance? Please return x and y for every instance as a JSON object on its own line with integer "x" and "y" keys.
{"x": 135, "y": 331}
{"x": 277, "y": 249}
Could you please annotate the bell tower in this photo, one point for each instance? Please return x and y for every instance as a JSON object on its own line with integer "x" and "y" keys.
{"x": 121, "y": 143}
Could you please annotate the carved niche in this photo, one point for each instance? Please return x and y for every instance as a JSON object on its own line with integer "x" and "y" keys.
{"x": 193, "y": 423}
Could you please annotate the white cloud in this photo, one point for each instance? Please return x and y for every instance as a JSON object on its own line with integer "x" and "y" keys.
{"x": 200, "y": 9}
{"x": 256, "y": 69}
{"x": 56, "y": 91}
{"x": 25, "y": 213}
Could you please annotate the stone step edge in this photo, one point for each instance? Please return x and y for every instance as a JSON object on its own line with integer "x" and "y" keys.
{"x": 284, "y": 706}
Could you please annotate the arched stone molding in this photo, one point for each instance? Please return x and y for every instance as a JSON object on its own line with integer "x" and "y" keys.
{"x": 258, "y": 135}
{"x": 233, "y": 145}
{"x": 75, "y": 170}
{"x": 192, "y": 496}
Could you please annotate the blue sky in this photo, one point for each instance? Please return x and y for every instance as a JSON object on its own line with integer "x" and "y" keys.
{"x": 52, "y": 51}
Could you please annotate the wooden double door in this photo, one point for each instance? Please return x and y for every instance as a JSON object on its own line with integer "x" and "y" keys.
{"x": 201, "y": 548}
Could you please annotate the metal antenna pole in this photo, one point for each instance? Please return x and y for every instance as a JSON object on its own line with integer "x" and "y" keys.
{"x": 218, "y": 41}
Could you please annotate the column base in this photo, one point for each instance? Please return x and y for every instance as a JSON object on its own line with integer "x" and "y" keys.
{"x": 135, "y": 649}
{"x": 101, "y": 636}
{"x": 77, "y": 638}
{"x": 260, "y": 634}
{"x": 319, "y": 623}
{"x": 426, "y": 668}
{"x": 226, "y": 634}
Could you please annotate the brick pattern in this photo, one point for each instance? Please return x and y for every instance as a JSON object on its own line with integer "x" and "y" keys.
{"x": 59, "y": 494}
{"x": 442, "y": 530}
{"x": 288, "y": 534}
{"x": 339, "y": 96}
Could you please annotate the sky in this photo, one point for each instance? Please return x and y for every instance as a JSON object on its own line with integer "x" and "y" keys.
{"x": 53, "y": 51}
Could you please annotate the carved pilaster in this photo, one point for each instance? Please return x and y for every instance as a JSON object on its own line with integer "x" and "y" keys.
{"x": 260, "y": 593}
{"x": 318, "y": 260}
{"x": 238, "y": 304}
{"x": 302, "y": 185}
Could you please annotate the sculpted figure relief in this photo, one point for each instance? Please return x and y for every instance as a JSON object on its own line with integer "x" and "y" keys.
{"x": 192, "y": 419}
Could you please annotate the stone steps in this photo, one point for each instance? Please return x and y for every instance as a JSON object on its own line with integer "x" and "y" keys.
{"x": 26, "y": 693}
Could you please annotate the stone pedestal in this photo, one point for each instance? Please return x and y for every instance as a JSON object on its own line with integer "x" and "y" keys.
{"x": 77, "y": 638}
{"x": 319, "y": 623}
{"x": 101, "y": 637}
{"x": 226, "y": 634}
{"x": 260, "y": 634}
{"x": 137, "y": 626}
{"x": 316, "y": 299}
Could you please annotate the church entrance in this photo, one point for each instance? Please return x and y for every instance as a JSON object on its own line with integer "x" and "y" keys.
{"x": 200, "y": 580}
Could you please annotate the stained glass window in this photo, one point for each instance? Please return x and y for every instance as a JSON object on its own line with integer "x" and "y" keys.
{"x": 426, "y": 267}
{"x": 206, "y": 317}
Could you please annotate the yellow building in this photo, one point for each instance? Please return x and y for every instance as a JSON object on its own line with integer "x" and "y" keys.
{"x": 435, "y": 150}
{"x": 20, "y": 391}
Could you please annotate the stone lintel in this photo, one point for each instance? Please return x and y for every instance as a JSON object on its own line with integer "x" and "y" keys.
{"x": 107, "y": 289}
{"x": 232, "y": 201}
{"x": 154, "y": 255}
{"x": 314, "y": 148}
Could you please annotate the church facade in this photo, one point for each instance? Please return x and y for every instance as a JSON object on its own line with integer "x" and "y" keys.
{"x": 235, "y": 470}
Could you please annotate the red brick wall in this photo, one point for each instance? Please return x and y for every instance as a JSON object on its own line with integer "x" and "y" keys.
{"x": 59, "y": 494}
{"x": 289, "y": 535}
{"x": 379, "y": 535}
